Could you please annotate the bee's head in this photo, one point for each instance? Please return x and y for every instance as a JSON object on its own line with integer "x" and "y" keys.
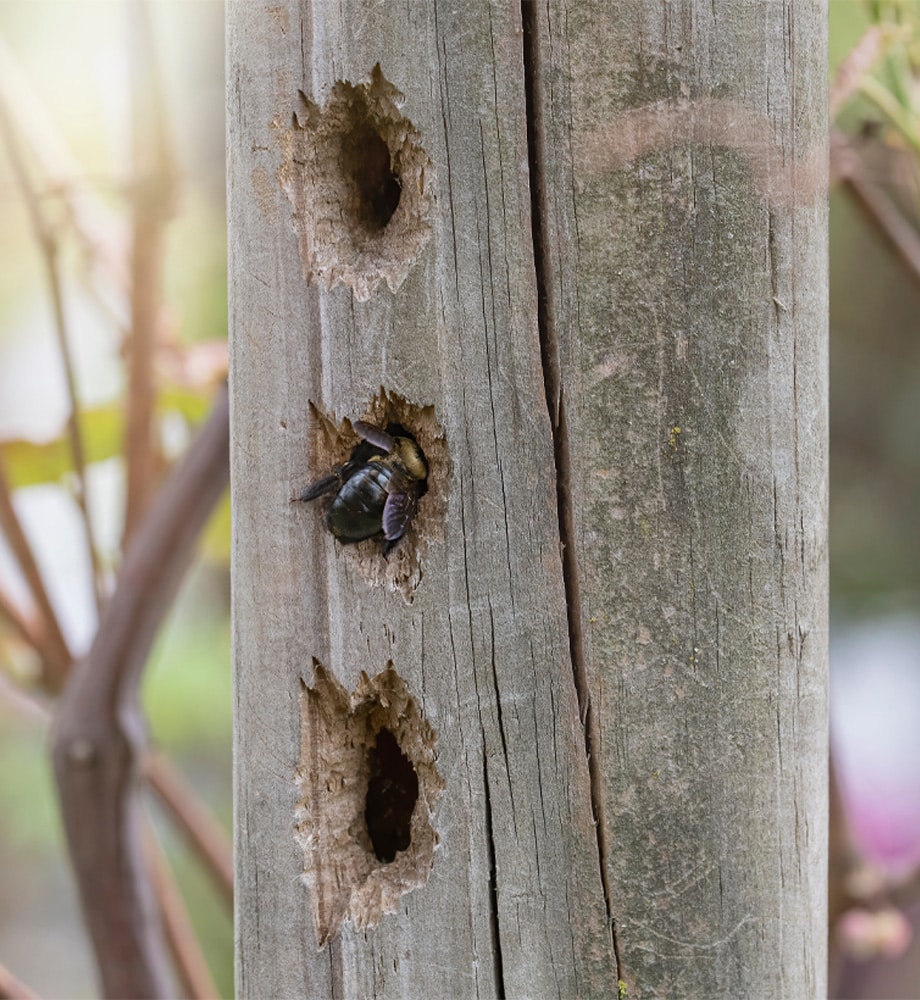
{"x": 411, "y": 458}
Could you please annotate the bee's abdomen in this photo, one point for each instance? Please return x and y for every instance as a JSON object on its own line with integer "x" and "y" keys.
{"x": 356, "y": 512}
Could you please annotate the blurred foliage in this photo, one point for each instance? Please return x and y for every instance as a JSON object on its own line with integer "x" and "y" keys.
{"x": 887, "y": 95}
{"x": 30, "y": 827}
{"x": 187, "y": 681}
{"x": 188, "y": 700}
{"x": 75, "y": 62}
{"x": 874, "y": 305}
{"x": 28, "y": 462}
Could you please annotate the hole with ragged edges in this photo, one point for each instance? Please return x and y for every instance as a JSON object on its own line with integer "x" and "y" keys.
{"x": 360, "y": 182}
{"x": 367, "y": 782}
{"x": 333, "y": 442}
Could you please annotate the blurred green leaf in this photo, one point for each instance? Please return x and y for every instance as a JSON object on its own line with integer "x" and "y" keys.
{"x": 897, "y": 73}
{"x": 193, "y": 404}
{"x": 29, "y": 463}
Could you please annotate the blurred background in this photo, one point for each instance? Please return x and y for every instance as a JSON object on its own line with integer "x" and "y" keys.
{"x": 875, "y": 497}
{"x": 80, "y": 143}
{"x": 68, "y": 96}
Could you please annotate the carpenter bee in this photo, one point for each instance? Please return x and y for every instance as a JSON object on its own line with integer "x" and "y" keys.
{"x": 376, "y": 490}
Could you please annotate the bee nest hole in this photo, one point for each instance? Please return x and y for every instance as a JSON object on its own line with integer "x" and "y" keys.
{"x": 367, "y": 786}
{"x": 360, "y": 184}
{"x": 332, "y": 443}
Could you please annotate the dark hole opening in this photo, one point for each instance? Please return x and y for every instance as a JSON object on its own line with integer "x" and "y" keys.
{"x": 369, "y": 165}
{"x": 392, "y": 791}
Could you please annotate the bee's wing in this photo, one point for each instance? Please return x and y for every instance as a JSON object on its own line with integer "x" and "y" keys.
{"x": 398, "y": 511}
{"x": 375, "y": 436}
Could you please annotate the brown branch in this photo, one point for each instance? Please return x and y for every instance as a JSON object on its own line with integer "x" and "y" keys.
{"x": 77, "y": 451}
{"x": 48, "y": 245}
{"x": 53, "y": 649}
{"x": 192, "y": 968}
{"x": 99, "y": 735}
{"x": 21, "y": 622}
{"x": 897, "y": 232}
{"x": 153, "y": 196}
{"x": 204, "y": 834}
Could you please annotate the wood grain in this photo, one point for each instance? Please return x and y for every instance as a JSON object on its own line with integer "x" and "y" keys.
{"x": 683, "y": 178}
{"x": 514, "y": 903}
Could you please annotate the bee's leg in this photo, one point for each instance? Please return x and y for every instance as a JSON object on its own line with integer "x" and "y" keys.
{"x": 322, "y": 486}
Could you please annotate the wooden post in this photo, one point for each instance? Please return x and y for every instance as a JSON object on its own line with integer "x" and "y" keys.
{"x": 579, "y": 255}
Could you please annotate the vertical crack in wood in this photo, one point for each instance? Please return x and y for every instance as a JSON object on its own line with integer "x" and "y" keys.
{"x": 498, "y": 970}
{"x": 552, "y": 379}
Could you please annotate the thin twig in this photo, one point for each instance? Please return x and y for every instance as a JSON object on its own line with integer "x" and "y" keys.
{"x": 48, "y": 244}
{"x": 153, "y": 196}
{"x": 11, "y": 611}
{"x": 888, "y": 220}
{"x": 205, "y": 835}
{"x": 91, "y": 220}
{"x": 100, "y": 733}
{"x": 52, "y": 646}
{"x": 191, "y": 966}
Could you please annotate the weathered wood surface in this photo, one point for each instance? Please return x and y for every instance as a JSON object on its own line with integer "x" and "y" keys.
{"x": 685, "y": 216}
{"x": 514, "y": 901}
{"x": 683, "y": 323}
